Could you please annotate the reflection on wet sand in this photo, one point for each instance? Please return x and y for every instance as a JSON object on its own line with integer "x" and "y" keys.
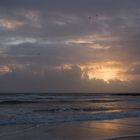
{"x": 93, "y": 130}
{"x": 119, "y": 129}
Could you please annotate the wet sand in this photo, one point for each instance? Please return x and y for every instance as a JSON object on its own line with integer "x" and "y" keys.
{"x": 127, "y": 138}
{"x": 122, "y": 129}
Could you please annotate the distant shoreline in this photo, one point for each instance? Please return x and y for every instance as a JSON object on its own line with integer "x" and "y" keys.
{"x": 127, "y": 94}
{"x": 70, "y": 93}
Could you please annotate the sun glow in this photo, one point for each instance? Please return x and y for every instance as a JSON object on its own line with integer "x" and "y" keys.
{"x": 106, "y": 71}
{"x": 106, "y": 74}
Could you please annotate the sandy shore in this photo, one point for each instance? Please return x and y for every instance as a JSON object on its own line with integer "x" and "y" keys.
{"x": 127, "y": 138}
{"x": 122, "y": 129}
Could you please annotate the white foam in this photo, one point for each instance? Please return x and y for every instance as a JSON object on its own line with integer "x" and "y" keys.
{"x": 19, "y": 117}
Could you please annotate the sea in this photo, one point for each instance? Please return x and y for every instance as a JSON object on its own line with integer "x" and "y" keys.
{"x": 47, "y": 108}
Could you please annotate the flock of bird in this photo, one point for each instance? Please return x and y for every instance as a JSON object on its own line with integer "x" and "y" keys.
{"x": 91, "y": 19}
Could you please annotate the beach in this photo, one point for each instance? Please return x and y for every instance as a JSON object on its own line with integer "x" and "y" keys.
{"x": 69, "y": 69}
{"x": 69, "y": 117}
{"x": 121, "y": 129}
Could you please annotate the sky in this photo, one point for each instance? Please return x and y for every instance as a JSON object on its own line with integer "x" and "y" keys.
{"x": 70, "y": 46}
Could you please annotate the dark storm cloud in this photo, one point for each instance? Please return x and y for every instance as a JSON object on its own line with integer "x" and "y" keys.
{"x": 61, "y": 81}
{"x": 54, "y": 13}
{"x": 70, "y": 5}
{"x": 53, "y": 55}
{"x": 53, "y": 80}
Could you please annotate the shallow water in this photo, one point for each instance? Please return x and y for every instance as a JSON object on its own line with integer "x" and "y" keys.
{"x": 59, "y": 108}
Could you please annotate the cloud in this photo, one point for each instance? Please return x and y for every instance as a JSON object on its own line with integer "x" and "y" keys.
{"x": 10, "y": 24}
{"x": 64, "y": 39}
{"x": 62, "y": 80}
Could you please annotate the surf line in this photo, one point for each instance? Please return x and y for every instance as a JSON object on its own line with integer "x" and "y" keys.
{"x": 125, "y": 136}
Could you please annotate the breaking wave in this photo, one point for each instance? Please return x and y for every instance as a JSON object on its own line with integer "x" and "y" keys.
{"x": 11, "y": 118}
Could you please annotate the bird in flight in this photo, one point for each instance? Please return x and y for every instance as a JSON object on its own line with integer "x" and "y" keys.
{"x": 92, "y": 19}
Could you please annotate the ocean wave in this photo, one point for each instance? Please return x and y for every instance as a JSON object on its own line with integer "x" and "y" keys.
{"x": 12, "y": 118}
{"x": 70, "y": 109}
{"x": 60, "y": 101}
{"x": 14, "y": 102}
{"x": 54, "y": 98}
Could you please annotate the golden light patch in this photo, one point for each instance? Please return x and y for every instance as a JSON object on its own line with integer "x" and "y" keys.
{"x": 5, "y": 69}
{"x": 106, "y": 71}
{"x": 10, "y": 24}
{"x": 90, "y": 39}
{"x": 66, "y": 66}
{"x": 80, "y": 41}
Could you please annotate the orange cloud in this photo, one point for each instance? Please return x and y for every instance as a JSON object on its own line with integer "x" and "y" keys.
{"x": 10, "y": 24}
{"x": 106, "y": 71}
{"x": 5, "y": 69}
